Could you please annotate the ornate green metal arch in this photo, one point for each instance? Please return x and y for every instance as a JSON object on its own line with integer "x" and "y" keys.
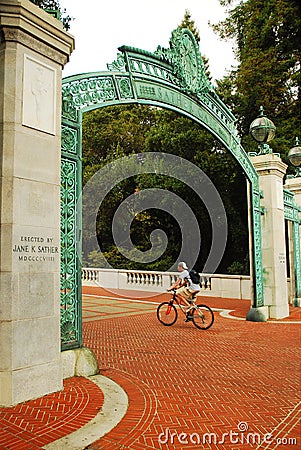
{"x": 172, "y": 78}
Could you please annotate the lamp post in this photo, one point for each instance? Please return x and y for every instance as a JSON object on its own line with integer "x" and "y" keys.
{"x": 262, "y": 131}
{"x": 294, "y": 157}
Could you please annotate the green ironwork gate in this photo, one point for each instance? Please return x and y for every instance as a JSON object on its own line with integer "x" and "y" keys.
{"x": 291, "y": 213}
{"x": 172, "y": 78}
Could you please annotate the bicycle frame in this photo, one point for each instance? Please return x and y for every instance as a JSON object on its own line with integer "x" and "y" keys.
{"x": 177, "y": 301}
{"x": 201, "y": 315}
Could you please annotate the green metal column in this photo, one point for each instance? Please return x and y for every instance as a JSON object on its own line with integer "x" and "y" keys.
{"x": 258, "y": 300}
{"x": 297, "y": 260}
{"x": 291, "y": 213}
{"x": 71, "y": 180}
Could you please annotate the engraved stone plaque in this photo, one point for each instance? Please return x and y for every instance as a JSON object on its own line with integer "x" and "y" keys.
{"x": 39, "y": 95}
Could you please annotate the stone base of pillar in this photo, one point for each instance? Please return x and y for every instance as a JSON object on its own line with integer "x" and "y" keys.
{"x": 279, "y": 311}
{"x": 260, "y": 314}
{"x": 80, "y": 362}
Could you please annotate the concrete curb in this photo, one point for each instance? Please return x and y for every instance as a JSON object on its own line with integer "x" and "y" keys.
{"x": 114, "y": 409}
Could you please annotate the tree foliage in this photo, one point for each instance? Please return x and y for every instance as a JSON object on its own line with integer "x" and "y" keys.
{"x": 267, "y": 37}
{"x": 113, "y": 132}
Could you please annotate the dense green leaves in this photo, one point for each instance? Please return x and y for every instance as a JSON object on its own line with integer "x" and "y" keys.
{"x": 117, "y": 131}
{"x": 267, "y": 36}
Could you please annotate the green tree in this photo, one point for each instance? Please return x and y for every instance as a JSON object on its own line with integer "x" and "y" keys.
{"x": 267, "y": 36}
{"x": 152, "y": 129}
{"x": 112, "y": 130}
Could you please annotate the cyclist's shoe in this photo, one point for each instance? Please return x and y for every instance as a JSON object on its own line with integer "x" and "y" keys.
{"x": 188, "y": 318}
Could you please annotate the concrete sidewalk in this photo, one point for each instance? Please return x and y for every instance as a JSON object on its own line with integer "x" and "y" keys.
{"x": 186, "y": 388}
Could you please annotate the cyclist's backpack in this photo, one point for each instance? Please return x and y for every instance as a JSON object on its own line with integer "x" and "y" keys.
{"x": 195, "y": 277}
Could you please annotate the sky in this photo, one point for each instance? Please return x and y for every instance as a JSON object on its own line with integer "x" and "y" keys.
{"x": 100, "y": 27}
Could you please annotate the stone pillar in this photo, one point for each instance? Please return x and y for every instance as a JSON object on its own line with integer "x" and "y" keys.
{"x": 271, "y": 171}
{"x": 33, "y": 50}
{"x": 294, "y": 185}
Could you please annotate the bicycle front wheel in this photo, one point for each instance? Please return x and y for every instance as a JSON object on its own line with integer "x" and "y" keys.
{"x": 167, "y": 314}
{"x": 202, "y": 317}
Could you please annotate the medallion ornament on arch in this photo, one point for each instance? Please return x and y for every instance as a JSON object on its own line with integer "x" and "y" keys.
{"x": 184, "y": 55}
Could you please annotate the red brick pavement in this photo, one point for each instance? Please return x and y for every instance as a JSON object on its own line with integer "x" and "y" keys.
{"x": 33, "y": 424}
{"x": 191, "y": 381}
{"x": 238, "y": 307}
{"x": 178, "y": 378}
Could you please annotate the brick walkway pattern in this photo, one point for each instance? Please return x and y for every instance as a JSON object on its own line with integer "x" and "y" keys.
{"x": 238, "y": 376}
{"x": 190, "y": 381}
{"x": 33, "y": 424}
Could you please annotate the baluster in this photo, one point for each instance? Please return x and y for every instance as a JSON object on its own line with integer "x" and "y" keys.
{"x": 203, "y": 283}
{"x": 209, "y": 284}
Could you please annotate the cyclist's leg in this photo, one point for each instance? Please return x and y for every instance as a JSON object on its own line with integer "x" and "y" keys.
{"x": 186, "y": 295}
{"x": 183, "y": 295}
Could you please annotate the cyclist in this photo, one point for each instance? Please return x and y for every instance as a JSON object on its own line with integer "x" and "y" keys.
{"x": 185, "y": 288}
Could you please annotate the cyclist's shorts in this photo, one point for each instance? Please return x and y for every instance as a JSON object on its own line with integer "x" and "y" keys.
{"x": 185, "y": 292}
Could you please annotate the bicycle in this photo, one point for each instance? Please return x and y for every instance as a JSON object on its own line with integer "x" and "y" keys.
{"x": 201, "y": 315}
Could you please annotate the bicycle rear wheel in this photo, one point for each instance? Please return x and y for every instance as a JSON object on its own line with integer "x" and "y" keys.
{"x": 167, "y": 314}
{"x": 202, "y": 317}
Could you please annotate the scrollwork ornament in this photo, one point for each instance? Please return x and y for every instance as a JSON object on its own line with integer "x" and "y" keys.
{"x": 118, "y": 65}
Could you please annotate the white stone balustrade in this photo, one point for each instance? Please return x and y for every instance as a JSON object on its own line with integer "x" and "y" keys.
{"x": 225, "y": 286}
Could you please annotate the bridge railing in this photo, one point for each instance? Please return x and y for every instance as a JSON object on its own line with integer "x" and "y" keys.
{"x": 226, "y": 286}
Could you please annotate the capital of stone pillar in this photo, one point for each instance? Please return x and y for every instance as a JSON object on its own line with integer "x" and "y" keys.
{"x": 33, "y": 50}
{"x": 269, "y": 164}
{"x": 271, "y": 171}
{"x": 22, "y": 22}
